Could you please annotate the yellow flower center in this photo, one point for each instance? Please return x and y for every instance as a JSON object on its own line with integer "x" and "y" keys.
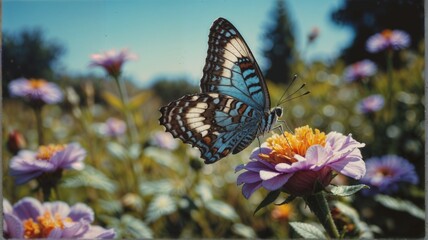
{"x": 387, "y": 33}
{"x": 46, "y": 152}
{"x": 44, "y": 225}
{"x": 285, "y": 146}
{"x": 37, "y": 83}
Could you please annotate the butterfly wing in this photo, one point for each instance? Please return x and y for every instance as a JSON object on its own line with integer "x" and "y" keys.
{"x": 217, "y": 124}
{"x": 231, "y": 69}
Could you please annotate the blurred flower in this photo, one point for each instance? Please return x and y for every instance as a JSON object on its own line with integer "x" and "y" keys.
{"x": 29, "y": 218}
{"x": 359, "y": 70}
{"x": 113, "y": 127}
{"x": 37, "y": 91}
{"x": 371, "y": 103}
{"x": 388, "y": 39}
{"x": 50, "y": 158}
{"x": 112, "y": 61}
{"x": 15, "y": 142}
{"x": 299, "y": 163}
{"x": 164, "y": 140}
{"x": 313, "y": 34}
{"x": 282, "y": 212}
{"x": 384, "y": 174}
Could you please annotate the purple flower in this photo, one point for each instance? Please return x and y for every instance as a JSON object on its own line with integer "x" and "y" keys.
{"x": 386, "y": 173}
{"x": 388, "y": 39}
{"x": 29, "y": 218}
{"x": 112, "y": 61}
{"x": 36, "y": 90}
{"x": 297, "y": 163}
{"x": 371, "y": 104}
{"x": 51, "y": 158}
{"x": 164, "y": 140}
{"x": 113, "y": 127}
{"x": 359, "y": 70}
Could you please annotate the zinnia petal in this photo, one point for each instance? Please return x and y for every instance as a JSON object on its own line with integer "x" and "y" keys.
{"x": 248, "y": 177}
{"x": 13, "y": 226}
{"x": 249, "y": 188}
{"x": 351, "y": 167}
{"x": 27, "y": 208}
{"x": 277, "y": 182}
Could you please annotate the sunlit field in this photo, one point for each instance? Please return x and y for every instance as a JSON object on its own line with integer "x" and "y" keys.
{"x": 90, "y": 155}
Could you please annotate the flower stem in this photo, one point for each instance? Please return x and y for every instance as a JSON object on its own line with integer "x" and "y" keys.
{"x": 319, "y": 206}
{"x": 132, "y": 129}
{"x": 389, "y": 69}
{"x": 39, "y": 123}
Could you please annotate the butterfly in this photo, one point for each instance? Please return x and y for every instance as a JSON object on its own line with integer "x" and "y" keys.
{"x": 233, "y": 107}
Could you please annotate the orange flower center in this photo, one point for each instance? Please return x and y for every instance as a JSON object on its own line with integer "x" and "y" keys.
{"x": 387, "y": 33}
{"x": 285, "y": 146}
{"x": 282, "y": 212}
{"x": 44, "y": 225}
{"x": 37, "y": 83}
{"x": 46, "y": 152}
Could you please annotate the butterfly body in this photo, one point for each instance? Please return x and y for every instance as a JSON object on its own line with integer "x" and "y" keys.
{"x": 233, "y": 107}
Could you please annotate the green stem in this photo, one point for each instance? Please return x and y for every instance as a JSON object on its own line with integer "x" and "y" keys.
{"x": 132, "y": 129}
{"x": 39, "y": 123}
{"x": 319, "y": 206}
{"x": 389, "y": 69}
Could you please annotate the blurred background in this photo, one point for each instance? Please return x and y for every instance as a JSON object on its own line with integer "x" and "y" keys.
{"x": 158, "y": 187}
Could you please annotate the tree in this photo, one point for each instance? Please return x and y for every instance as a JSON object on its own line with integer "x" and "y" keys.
{"x": 367, "y": 17}
{"x": 279, "y": 48}
{"x": 28, "y": 54}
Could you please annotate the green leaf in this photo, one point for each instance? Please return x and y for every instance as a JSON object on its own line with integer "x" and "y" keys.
{"x": 111, "y": 206}
{"x": 135, "y": 228}
{"x": 244, "y": 231}
{"x": 91, "y": 177}
{"x": 156, "y": 187}
{"x": 160, "y": 205}
{"x": 270, "y": 198}
{"x": 344, "y": 191}
{"x": 307, "y": 230}
{"x": 165, "y": 158}
{"x": 289, "y": 199}
{"x": 137, "y": 100}
{"x": 117, "y": 150}
{"x": 222, "y": 209}
{"x": 112, "y": 100}
{"x": 401, "y": 205}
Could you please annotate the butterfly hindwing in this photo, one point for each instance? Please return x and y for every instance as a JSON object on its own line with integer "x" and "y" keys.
{"x": 231, "y": 69}
{"x": 215, "y": 123}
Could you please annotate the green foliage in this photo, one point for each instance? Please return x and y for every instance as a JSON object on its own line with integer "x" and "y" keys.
{"x": 401, "y": 205}
{"x": 344, "y": 191}
{"x": 307, "y": 231}
{"x": 169, "y": 90}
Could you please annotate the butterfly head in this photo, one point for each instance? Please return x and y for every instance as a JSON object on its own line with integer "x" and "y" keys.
{"x": 277, "y": 111}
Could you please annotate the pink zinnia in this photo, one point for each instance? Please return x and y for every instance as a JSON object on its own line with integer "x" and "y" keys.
{"x": 29, "y": 218}
{"x": 36, "y": 91}
{"x": 301, "y": 162}
{"x": 112, "y": 61}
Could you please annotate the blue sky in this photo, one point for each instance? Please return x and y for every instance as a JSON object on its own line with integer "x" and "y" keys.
{"x": 169, "y": 36}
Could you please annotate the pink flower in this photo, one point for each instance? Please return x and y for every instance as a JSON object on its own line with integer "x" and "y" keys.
{"x": 112, "y": 61}
{"x": 301, "y": 163}
{"x": 360, "y": 70}
{"x": 388, "y": 39}
{"x": 372, "y": 103}
{"x": 113, "y": 127}
{"x": 36, "y": 91}
{"x": 29, "y": 218}
{"x": 28, "y": 165}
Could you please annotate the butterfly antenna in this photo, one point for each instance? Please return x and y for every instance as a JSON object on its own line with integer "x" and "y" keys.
{"x": 288, "y": 87}
{"x": 291, "y": 96}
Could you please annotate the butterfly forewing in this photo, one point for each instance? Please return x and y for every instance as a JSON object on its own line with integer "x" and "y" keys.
{"x": 231, "y": 69}
{"x": 231, "y": 110}
{"x": 216, "y": 124}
